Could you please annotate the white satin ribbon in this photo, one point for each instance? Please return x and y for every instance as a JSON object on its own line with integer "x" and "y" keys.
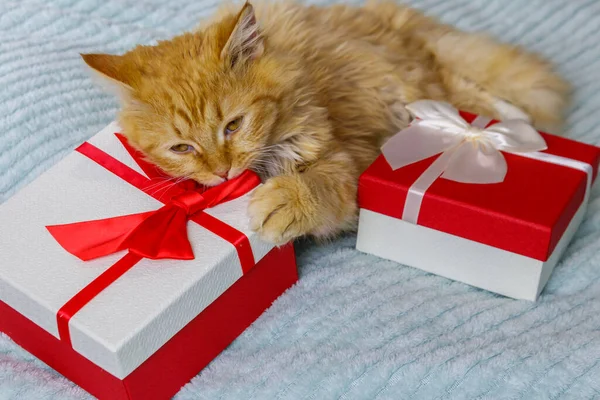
{"x": 471, "y": 153}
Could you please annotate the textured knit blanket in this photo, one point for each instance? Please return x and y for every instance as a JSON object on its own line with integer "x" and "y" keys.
{"x": 354, "y": 327}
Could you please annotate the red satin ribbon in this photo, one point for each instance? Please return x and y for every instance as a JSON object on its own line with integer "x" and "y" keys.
{"x": 154, "y": 234}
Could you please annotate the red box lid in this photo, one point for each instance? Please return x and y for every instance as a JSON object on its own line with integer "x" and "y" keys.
{"x": 526, "y": 214}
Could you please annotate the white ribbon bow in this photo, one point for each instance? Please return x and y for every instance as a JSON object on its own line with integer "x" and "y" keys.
{"x": 470, "y": 154}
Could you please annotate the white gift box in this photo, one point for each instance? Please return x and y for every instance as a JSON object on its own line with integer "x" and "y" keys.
{"x": 132, "y": 318}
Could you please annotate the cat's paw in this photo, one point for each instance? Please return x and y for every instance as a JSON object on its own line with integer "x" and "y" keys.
{"x": 282, "y": 209}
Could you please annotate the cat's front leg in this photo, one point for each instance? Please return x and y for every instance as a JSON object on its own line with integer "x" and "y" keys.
{"x": 319, "y": 200}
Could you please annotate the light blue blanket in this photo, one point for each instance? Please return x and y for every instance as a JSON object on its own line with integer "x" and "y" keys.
{"x": 355, "y": 327}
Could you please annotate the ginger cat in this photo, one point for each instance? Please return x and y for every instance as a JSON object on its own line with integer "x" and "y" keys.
{"x": 306, "y": 96}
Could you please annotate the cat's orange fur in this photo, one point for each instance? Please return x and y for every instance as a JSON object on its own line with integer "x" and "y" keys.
{"x": 319, "y": 90}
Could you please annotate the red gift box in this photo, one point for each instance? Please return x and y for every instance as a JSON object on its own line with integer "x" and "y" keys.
{"x": 526, "y": 214}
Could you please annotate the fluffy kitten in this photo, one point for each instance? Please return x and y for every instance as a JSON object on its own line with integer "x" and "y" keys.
{"x": 306, "y": 96}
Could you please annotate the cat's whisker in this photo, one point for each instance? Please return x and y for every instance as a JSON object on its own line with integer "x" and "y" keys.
{"x": 174, "y": 181}
{"x": 159, "y": 183}
{"x": 166, "y": 189}
{"x": 157, "y": 186}
{"x": 162, "y": 183}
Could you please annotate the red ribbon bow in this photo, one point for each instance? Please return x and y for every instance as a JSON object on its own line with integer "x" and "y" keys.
{"x": 154, "y": 234}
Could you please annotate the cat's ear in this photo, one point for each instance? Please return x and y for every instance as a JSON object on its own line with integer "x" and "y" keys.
{"x": 113, "y": 71}
{"x": 245, "y": 42}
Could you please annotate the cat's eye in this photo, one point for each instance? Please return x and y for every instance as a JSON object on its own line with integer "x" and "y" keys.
{"x": 182, "y": 148}
{"x": 233, "y": 126}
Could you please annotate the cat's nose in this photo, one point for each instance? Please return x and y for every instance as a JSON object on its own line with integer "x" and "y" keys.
{"x": 222, "y": 174}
